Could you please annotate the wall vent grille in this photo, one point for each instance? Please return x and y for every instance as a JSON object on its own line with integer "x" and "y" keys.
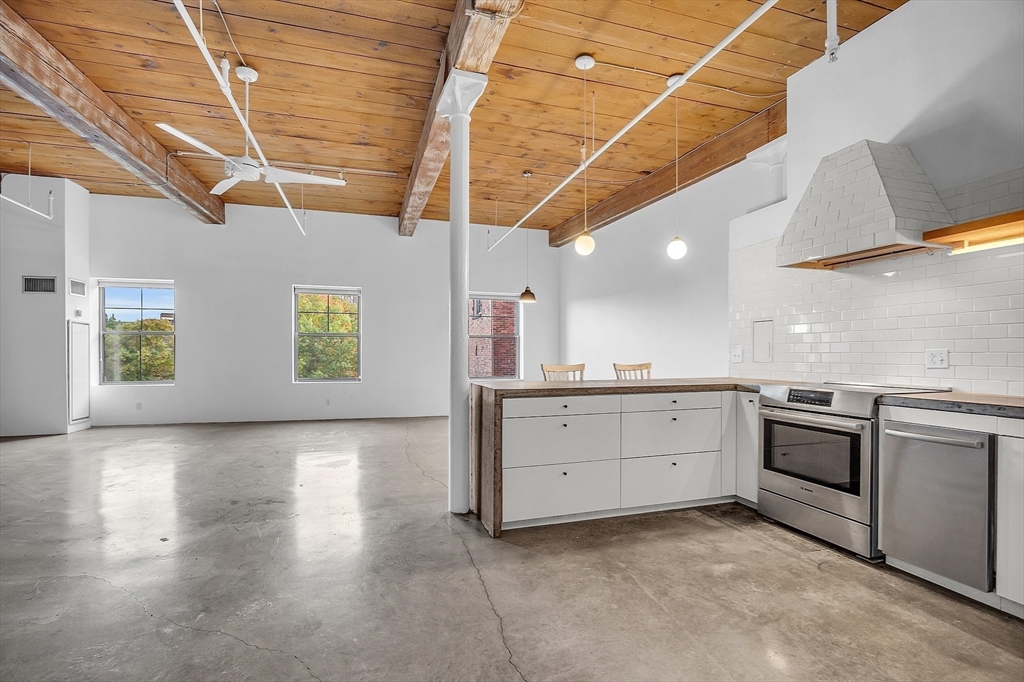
{"x": 76, "y": 287}
{"x": 39, "y": 285}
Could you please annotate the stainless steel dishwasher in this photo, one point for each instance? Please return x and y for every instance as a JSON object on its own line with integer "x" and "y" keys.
{"x": 936, "y": 501}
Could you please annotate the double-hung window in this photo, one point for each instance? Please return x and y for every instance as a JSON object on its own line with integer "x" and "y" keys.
{"x": 138, "y": 332}
{"x": 493, "y": 337}
{"x": 327, "y": 333}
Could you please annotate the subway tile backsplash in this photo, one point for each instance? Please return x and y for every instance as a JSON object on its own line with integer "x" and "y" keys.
{"x": 874, "y": 322}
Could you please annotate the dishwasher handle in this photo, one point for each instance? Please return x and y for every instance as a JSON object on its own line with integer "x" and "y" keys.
{"x": 942, "y": 440}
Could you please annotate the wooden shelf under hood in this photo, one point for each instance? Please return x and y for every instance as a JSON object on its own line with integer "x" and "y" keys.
{"x": 987, "y": 233}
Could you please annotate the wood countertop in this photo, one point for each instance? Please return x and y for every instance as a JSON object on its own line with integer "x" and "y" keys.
{"x": 1011, "y": 406}
{"x": 954, "y": 401}
{"x": 511, "y": 388}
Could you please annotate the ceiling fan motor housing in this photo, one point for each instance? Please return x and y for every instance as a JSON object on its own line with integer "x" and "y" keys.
{"x": 242, "y": 167}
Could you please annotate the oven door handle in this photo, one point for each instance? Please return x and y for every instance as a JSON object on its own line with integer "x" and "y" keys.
{"x": 976, "y": 444}
{"x": 811, "y": 421}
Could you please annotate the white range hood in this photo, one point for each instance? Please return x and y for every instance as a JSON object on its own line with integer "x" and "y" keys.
{"x": 867, "y": 201}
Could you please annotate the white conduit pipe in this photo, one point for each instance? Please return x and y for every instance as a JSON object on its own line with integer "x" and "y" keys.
{"x": 225, "y": 87}
{"x": 29, "y": 208}
{"x": 832, "y": 40}
{"x": 675, "y": 83}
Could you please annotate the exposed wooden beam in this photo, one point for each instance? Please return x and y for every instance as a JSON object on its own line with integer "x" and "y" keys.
{"x": 717, "y": 154}
{"x": 37, "y": 71}
{"x": 475, "y": 34}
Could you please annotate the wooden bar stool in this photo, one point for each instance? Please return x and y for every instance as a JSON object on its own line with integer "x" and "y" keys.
{"x": 640, "y": 371}
{"x": 563, "y": 372}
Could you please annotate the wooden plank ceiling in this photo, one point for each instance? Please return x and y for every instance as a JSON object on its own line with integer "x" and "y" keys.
{"x": 347, "y": 83}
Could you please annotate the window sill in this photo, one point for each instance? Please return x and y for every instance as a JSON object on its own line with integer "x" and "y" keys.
{"x": 358, "y": 380}
{"x": 136, "y": 383}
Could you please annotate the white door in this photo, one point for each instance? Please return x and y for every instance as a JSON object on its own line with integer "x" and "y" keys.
{"x": 78, "y": 371}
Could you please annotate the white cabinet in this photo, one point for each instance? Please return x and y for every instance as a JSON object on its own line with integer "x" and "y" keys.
{"x": 531, "y": 441}
{"x": 1010, "y": 519}
{"x": 557, "y": 490}
{"x": 747, "y": 454}
{"x": 649, "y": 402}
{"x": 578, "y": 404}
{"x": 671, "y": 432}
{"x": 671, "y": 478}
{"x": 597, "y": 454}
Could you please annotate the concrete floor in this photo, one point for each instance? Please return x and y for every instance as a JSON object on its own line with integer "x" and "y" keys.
{"x": 322, "y": 550}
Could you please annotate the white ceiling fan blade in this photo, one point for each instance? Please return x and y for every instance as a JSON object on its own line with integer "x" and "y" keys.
{"x": 224, "y": 185}
{"x": 185, "y": 137}
{"x": 278, "y": 175}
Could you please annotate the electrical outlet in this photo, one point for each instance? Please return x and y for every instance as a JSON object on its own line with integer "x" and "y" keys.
{"x": 737, "y": 354}
{"x": 138, "y": 406}
{"x": 936, "y": 358}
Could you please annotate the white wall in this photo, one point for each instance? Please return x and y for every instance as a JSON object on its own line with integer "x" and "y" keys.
{"x": 233, "y": 287}
{"x": 629, "y": 302}
{"x": 942, "y": 77}
{"x": 503, "y": 271}
{"x": 874, "y": 322}
{"x": 33, "y": 328}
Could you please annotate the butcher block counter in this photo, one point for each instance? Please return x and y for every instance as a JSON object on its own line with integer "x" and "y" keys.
{"x": 554, "y": 451}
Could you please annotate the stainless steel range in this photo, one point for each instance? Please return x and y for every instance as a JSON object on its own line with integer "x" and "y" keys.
{"x": 819, "y": 460}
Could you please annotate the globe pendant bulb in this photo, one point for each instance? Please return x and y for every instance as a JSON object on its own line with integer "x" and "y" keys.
{"x": 676, "y": 249}
{"x": 584, "y": 244}
{"x": 527, "y": 296}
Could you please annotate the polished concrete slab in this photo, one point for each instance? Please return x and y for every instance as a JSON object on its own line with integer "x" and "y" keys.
{"x": 323, "y": 550}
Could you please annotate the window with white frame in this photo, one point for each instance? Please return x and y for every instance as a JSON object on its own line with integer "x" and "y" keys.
{"x": 137, "y": 332}
{"x": 327, "y": 333}
{"x": 494, "y": 343}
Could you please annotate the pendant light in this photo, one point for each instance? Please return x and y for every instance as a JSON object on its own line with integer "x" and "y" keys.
{"x": 527, "y": 296}
{"x": 584, "y": 243}
{"x": 677, "y": 247}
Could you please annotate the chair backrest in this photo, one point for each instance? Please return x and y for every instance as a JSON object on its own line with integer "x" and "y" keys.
{"x": 640, "y": 371}
{"x": 563, "y": 372}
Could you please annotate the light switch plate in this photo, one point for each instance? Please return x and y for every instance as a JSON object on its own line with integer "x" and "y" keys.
{"x": 936, "y": 358}
{"x": 737, "y": 354}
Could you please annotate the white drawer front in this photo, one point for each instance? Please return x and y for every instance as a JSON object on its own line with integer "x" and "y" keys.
{"x": 540, "y": 492}
{"x": 545, "y": 407}
{"x": 554, "y": 440}
{"x": 671, "y": 478}
{"x": 669, "y": 433}
{"x": 647, "y": 402}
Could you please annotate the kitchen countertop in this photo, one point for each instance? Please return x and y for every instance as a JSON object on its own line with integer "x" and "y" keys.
{"x": 955, "y": 401}
{"x": 506, "y": 388}
{"x": 1011, "y": 406}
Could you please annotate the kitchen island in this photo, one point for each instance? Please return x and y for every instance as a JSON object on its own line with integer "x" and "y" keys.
{"x": 548, "y": 451}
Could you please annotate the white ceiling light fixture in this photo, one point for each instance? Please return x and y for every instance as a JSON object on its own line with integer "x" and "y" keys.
{"x": 527, "y": 296}
{"x": 585, "y": 243}
{"x": 677, "y": 247}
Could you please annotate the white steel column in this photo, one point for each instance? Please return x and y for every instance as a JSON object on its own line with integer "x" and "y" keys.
{"x": 461, "y": 91}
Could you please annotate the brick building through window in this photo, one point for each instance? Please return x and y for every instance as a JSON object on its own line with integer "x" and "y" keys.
{"x": 493, "y": 338}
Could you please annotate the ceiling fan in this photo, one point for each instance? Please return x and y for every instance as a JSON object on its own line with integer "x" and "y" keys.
{"x": 239, "y": 168}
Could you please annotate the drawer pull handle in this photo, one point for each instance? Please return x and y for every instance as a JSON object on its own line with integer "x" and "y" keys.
{"x": 565, "y": 473}
{"x": 565, "y": 425}
{"x": 673, "y": 463}
{"x": 673, "y": 418}
{"x": 565, "y": 407}
{"x": 674, "y": 402}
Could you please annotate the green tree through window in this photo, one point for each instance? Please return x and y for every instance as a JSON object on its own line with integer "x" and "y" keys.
{"x": 138, "y": 334}
{"x": 327, "y": 334}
